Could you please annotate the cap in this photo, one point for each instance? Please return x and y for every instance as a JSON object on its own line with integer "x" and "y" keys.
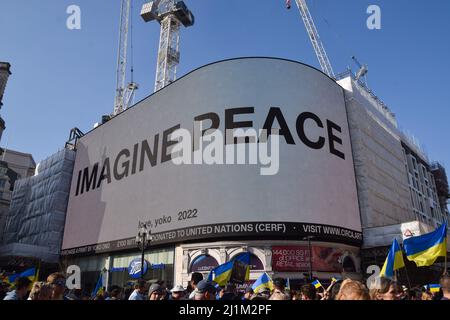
{"x": 206, "y": 286}
{"x": 178, "y": 289}
{"x": 154, "y": 288}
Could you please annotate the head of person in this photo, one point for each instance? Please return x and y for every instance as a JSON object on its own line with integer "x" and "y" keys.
{"x": 140, "y": 286}
{"x": 228, "y": 292}
{"x": 41, "y": 291}
{"x": 279, "y": 284}
{"x": 248, "y": 293}
{"x": 277, "y": 295}
{"x": 353, "y": 290}
{"x": 22, "y": 285}
{"x": 177, "y": 292}
{"x": 383, "y": 289}
{"x": 156, "y": 292}
{"x": 445, "y": 285}
{"x": 426, "y": 295}
{"x": 336, "y": 287}
{"x": 415, "y": 294}
{"x": 195, "y": 279}
{"x": 308, "y": 292}
{"x": 58, "y": 281}
{"x": 206, "y": 290}
{"x": 116, "y": 293}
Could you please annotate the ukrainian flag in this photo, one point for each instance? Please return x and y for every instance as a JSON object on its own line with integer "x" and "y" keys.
{"x": 29, "y": 273}
{"x": 425, "y": 249}
{"x": 434, "y": 287}
{"x": 222, "y": 273}
{"x": 263, "y": 282}
{"x": 394, "y": 261}
{"x": 98, "y": 287}
{"x": 317, "y": 284}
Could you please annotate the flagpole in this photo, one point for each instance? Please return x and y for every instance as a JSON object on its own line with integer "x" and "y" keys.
{"x": 407, "y": 277}
{"x": 445, "y": 264}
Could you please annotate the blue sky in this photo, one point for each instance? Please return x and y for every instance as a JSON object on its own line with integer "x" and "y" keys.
{"x": 63, "y": 79}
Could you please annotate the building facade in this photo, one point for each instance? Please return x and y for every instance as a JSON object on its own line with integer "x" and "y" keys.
{"x": 349, "y": 181}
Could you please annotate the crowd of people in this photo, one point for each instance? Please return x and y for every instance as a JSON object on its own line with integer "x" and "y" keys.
{"x": 202, "y": 289}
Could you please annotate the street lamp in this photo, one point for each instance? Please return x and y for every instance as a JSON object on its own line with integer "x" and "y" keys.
{"x": 143, "y": 240}
{"x": 309, "y": 238}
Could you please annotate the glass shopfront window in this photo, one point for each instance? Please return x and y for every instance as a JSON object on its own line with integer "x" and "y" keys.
{"x": 161, "y": 268}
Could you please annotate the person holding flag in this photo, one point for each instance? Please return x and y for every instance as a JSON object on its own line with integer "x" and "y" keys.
{"x": 425, "y": 249}
{"x": 98, "y": 290}
{"x": 223, "y": 273}
{"x": 21, "y": 290}
{"x": 263, "y": 283}
{"x": 393, "y": 262}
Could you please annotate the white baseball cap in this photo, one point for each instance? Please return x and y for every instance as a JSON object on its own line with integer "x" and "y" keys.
{"x": 178, "y": 289}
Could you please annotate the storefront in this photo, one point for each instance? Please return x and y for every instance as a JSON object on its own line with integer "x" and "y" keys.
{"x": 116, "y": 268}
{"x": 286, "y": 259}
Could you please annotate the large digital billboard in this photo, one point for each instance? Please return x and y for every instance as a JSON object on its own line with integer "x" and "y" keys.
{"x": 126, "y": 170}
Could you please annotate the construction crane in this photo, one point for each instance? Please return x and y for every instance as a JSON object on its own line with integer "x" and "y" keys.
{"x": 170, "y": 14}
{"x": 362, "y": 71}
{"x": 313, "y": 36}
{"x": 124, "y": 93}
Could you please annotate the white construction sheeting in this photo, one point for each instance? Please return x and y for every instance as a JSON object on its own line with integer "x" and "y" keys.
{"x": 35, "y": 223}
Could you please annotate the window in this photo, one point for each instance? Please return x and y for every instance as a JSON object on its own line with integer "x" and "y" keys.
{"x": 255, "y": 263}
{"x": 204, "y": 263}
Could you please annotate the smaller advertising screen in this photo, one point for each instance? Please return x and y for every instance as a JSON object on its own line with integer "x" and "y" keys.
{"x": 297, "y": 258}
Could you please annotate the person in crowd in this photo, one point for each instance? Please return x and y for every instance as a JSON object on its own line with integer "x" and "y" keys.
{"x": 21, "y": 290}
{"x": 205, "y": 290}
{"x": 177, "y": 293}
{"x": 263, "y": 294}
{"x": 139, "y": 291}
{"x": 352, "y": 290}
{"x": 115, "y": 293}
{"x": 296, "y": 295}
{"x": 278, "y": 291}
{"x": 334, "y": 290}
{"x": 74, "y": 294}
{"x": 415, "y": 294}
{"x": 58, "y": 282}
{"x": 3, "y": 289}
{"x": 384, "y": 289}
{"x": 445, "y": 286}
{"x": 308, "y": 292}
{"x": 156, "y": 292}
{"x": 228, "y": 292}
{"x": 427, "y": 295}
{"x": 41, "y": 291}
{"x": 248, "y": 293}
{"x": 195, "y": 279}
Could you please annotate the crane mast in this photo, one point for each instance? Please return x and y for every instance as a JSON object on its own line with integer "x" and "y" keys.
{"x": 170, "y": 14}
{"x": 124, "y": 94}
{"x": 314, "y": 37}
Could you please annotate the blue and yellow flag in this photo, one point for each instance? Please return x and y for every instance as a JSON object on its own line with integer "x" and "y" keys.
{"x": 263, "y": 282}
{"x": 222, "y": 273}
{"x": 394, "y": 261}
{"x": 316, "y": 284}
{"x": 98, "y": 290}
{"x": 425, "y": 249}
{"x": 29, "y": 273}
{"x": 434, "y": 287}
